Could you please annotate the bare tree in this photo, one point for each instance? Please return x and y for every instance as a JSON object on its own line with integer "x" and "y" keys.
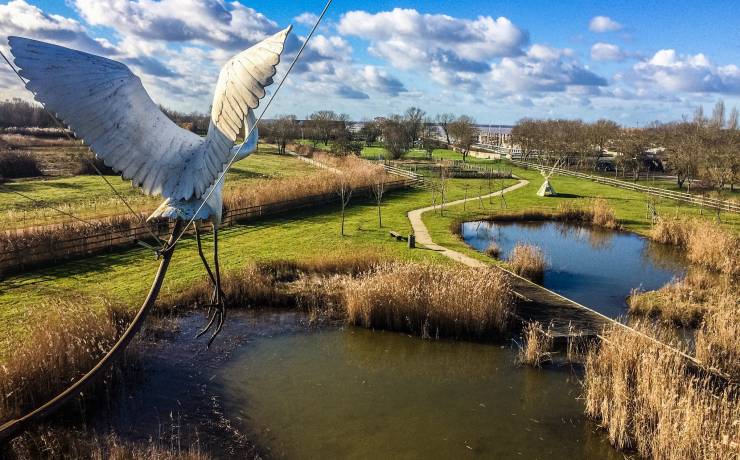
{"x": 600, "y": 133}
{"x": 378, "y": 191}
{"x": 732, "y": 120}
{"x": 464, "y": 134}
{"x": 394, "y": 136}
{"x": 370, "y": 132}
{"x": 284, "y": 130}
{"x": 414, "y": 118}
{"x": 718, "y": 114}
{"x": 444, "y": 120}
{"x": 344, "y": 190}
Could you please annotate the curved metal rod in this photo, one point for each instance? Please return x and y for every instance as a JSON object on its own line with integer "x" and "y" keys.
{"x": 14, "y": 427}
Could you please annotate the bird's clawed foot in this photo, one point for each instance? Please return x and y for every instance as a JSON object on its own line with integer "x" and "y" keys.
{"x": 216, "y": 315}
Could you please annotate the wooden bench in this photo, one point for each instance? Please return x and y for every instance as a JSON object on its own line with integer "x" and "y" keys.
{"x": 398, "y": 236}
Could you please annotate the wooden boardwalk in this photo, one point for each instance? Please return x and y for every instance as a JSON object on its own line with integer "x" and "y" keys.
{"x": 536, "y": 303}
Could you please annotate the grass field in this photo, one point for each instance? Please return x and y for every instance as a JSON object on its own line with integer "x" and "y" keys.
{"x": 90, "y": 197}
{"x": 126, "y": 276}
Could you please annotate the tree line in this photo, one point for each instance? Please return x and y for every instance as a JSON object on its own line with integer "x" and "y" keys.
{"x": 704, "y": 148}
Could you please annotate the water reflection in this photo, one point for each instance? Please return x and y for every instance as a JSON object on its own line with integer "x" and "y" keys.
{"x": 595, "y": 267}
{"x": 361, "y": 394}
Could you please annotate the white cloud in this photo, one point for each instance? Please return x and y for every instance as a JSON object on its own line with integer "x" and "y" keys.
{"x": 541, "y": 69}
{"x": 308, "y": 19}
{"x": 601, "y": 24}
{"x": 214, "y": 22}
{"x": 669, "y": 71}
{"x": 606, "y": 52}
{"x": 407, "y": 38}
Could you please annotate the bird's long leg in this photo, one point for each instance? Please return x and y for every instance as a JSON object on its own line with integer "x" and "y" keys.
{"x": 213, "y": 306}
{"x": 220, "y": 304}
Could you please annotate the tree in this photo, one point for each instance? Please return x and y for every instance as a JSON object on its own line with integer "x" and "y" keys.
{"x": 326, "y": 125}
{"x": 378, "y": 191}
{"x": 370, "y": 132}
{"x": 394, "y": 136}
{"x": 284, "y": 130}
{"x": 718, "y": 114}
{"x": 631, "y": 145}
{"x": 344, "y": 190}
{"x": 732, "y": 120}
{"x": 414, "y": 118}
{"x": 444, "y": 120}
{"x": 464, "y": 134}
{"x": 600, "y": 133}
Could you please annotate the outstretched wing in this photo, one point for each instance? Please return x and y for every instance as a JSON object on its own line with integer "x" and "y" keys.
{"x": 107, "y": 106}
{"x": 241, "y": 85}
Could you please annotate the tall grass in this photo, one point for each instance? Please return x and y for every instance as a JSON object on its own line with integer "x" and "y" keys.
{"x": 718, "y": 340}
{"x": 528, "y": 261}
{"x": 649, "y": 401}
{"x": 707, "y": 243}
{"x": 537, "y": 346}
{"x": 431, "y": 300}
{"x": 597, "y": 213}
{"x": 67, "y": 341}
{"x": 493, "y": 250}
{"x": 68, "y": 443}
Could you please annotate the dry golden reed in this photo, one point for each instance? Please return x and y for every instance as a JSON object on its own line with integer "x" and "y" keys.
{"x": 528, "y": 261}
{"x": 718, "y": 338}
{"x": 707, "y": 243}
{"x": 537, "y": 347}
{"x": 65, "y": 342}
{"x": 431, "y": 300}
{"x": 493, "y": 250}
{"x": 649, "y": 401}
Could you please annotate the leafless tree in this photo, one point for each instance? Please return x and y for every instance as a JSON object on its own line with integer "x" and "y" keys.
{"x": 344, "y": 190}
{"x": 444, "y": 120}
{"x": 394, "y": 136}
{"x": 718, "y": 114}
{"x": 464, "y": 133}
{"x": 284, "y": 130}
{"x": 414, "y": 118}
{"x": 732, "y": 120}
{"x": 378, "y": 191}
{"x": 370, "y": 132}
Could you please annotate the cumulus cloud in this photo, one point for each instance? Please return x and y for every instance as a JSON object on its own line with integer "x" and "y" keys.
{"x": 18, "y": 17}
{"x": 669, "y": 71}
{"x": 407, "y": 38}
{"x": 214, "y": 22}
{"x": 601, "y": 24}
{"x": 380, "y": 81}
{"x": 606, "y": 52}
{"x": 308, "y": 19}
{"x": 542, "y": 69}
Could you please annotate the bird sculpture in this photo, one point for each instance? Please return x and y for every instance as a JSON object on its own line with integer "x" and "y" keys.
{"x": 106, "y": 106}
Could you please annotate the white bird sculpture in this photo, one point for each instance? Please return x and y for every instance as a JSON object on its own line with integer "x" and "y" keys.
{"x": 106, "y": 105}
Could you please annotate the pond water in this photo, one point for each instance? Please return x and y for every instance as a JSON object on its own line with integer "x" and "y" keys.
{"x": 597, "y": 268}
{"x": 355, "y": 393}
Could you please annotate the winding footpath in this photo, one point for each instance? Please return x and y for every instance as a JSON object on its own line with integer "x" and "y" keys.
{"x": 425, "y": 239}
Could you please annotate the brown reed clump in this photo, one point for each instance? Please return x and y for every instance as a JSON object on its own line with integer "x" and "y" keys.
{"x": 537, "y": 348}
{"x": 718, "y": 340}
{"x": 431, "y": 300}
{"x": 649, "y": 401}
{"x": 602, "y": 214}
{"x": 66, "y": 342}
{"x": 63, "y": 443}
{"x": 18, "y": 164}
{"x": 493, "y": 250}
{"x": 707, "y": 243}
{"x": 528, "y": 261}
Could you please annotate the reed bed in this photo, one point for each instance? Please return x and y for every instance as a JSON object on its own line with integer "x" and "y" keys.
{"x": 650, "y": 402}
{"x": 431, "y": 300}
{"x": 596, "y": 213}
{"x": 537, "y": 345}
{"x": 64, "y": 343}
{"x": 528, "y": 261}
{"x": 718, "y": 339}
{"x": 69, "y": 443}
{"x": 707, "y": 243}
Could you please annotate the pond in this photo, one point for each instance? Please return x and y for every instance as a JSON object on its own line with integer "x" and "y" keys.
{"x": 595, "y": 267}
{"x": 274, "y": 387}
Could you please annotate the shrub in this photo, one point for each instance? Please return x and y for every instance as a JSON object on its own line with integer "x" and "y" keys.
{"x": 18, "y": 164}
{"x": 431, "y": 300}
{"x": 528, "y": 261}
{"x": 493, "y": 250}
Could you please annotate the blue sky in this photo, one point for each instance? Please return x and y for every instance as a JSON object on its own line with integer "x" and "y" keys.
{"x": 498, "y": 61}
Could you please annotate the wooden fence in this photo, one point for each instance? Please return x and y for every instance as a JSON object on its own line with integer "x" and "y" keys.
{"x": 110, "y": 236}
{"x": 698, "y": 200}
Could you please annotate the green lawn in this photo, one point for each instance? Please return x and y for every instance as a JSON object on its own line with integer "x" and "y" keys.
{"x": 90, "y": 197}
{"x": 126, "y": 275}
